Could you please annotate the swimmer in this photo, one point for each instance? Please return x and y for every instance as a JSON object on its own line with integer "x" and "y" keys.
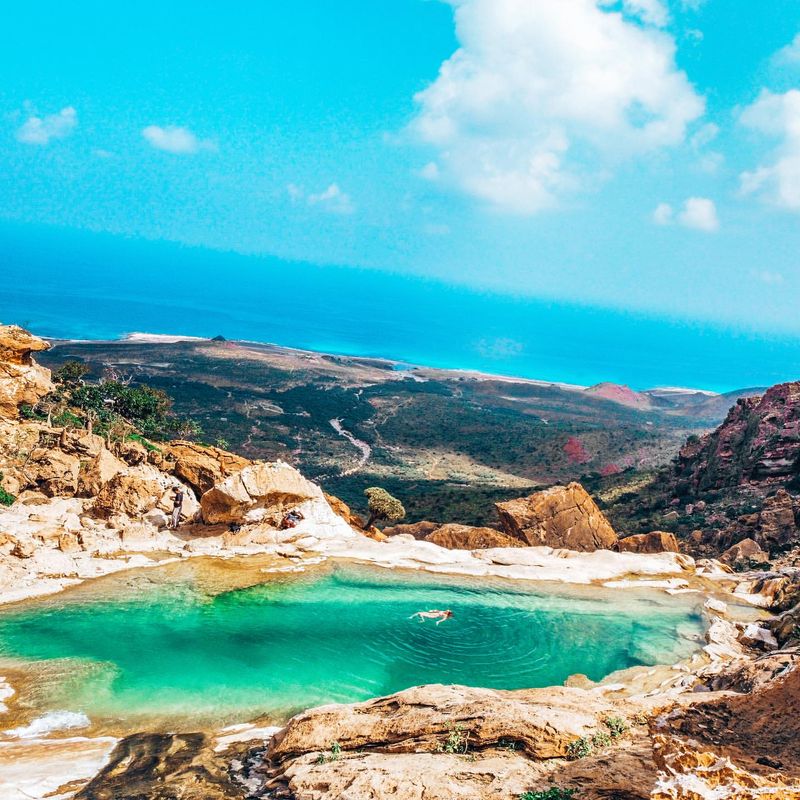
{"x": 439, "y": 616}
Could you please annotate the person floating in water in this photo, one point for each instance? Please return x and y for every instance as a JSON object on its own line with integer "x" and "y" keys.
{"x": 439, "y": 616}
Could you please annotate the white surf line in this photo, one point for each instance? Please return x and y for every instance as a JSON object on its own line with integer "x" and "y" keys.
{"x": 363, "y": 447}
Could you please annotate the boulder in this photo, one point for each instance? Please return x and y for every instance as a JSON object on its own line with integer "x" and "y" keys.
{"x": 254, "y": 492}
{"x": 21, "y": 380}
{"x": 69, "y": 542}
{"x": 53, "y": 472}
{"x": 744, "y": 554}
{"x": 653, "y": 542}
{"x": 560, "y": 517}
{"x": 98, "y": 472}
{"x": 542, "y": 722}
{"x": 81, "y": 443}
{"x": 131, "y": 452}
{"x": 465, "y": 537}
{"x": 127, "y": 494}
{"x": 201, "y": 467}
{"x": 419, "y": 530}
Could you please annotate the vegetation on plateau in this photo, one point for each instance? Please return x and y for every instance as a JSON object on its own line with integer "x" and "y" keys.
{"x": 382, "y": 506}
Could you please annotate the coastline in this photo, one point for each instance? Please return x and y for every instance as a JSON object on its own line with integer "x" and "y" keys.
{"x": 400, "y": 366}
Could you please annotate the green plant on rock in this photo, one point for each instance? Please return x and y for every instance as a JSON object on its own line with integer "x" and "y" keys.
{"x": 334, "y": 754}
{"x": 601, "y": 739}
{"x": 580, "y": 748}
{"x": 6, "y": 498}
{"x": 553, "y": 793}
{"x": 456, "y": 741}
{"x": 616, "y": 726}
{"x": 382, "y": 506}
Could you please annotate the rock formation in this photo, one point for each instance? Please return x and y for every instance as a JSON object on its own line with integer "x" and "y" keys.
{"x": 758, "y": 441}
{"x": 21, "y": 380}
{"x": 465, "y": 537}
{"x": 254, "y": 492}
{"x": 653, "y": 542}
{"x": 201, "y": 466}
{"x": 562, "y": 516}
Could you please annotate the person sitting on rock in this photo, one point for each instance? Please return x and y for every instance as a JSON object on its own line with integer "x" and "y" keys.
{"x": 440, "y": 616}
{"x": 177, "y": 505}
{"x": 291, "y": 519}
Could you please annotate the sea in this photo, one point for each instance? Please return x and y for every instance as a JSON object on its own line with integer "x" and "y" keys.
{"x": 80, "y": 285}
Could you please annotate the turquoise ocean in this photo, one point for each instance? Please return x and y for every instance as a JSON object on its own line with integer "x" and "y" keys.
{"x": 68, "y": 284}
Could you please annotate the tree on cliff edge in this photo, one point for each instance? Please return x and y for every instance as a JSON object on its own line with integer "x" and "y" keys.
{"x": 383, "y": 506}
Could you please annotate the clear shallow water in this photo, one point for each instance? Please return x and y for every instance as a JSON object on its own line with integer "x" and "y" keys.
{"x": 173, "y": 649}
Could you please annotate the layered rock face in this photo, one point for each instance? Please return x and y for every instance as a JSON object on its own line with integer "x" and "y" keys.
{"x": 254, "y": 492}
{"x": 465, "y": 537}
{"x": 562, "y": 516}
{"x": 653, "y": 542}
{"x": 758, "y": 441}
{"x": 21, "y": 380}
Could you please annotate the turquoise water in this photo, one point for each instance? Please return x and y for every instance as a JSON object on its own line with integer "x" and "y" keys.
{"x": 173, "y": 649}
{"x": 88, "y": 286}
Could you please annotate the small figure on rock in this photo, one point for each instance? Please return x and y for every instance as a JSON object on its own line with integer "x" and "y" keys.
{"x": 291, "y": 519}
{"x": 439, "y": 616}
{"x": 177, "y": 505}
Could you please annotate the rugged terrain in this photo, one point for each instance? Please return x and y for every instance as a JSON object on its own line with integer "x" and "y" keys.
{"x": 448, "y": 443}
{"x": 721, "y": 725}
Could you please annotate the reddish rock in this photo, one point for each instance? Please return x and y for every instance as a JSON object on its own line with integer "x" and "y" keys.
{"x": 743, "y": 554}
{"x": 22, "y": 381}
{"x": 465, "y": 537}
{"x": 654, "y": 542}
{"x": 201, "y": 467}
{"x": 562, "y": 516}
{"x": 419, "y": 530}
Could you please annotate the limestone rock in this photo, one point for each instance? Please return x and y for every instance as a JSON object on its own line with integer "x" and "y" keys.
{"x": 132, "y": 453}
{"x": 744, "y": 554}
{"x": 69, "y": 542}
{"x": 81, "y": 443}
{"x": 53, "y": 472}
{"x": 653, "y": 542}
{"x": 21, "y": 380}
{"x": 419, "y": 530}
{"x": 98, "y": 472}
{"x": 127, "y": 494}
{"x": 542, "y": 722}
{"x": 250, "y": 494}
{"x": 562, "y": 517}
{"x": 201, "y": 467}
{"x": 465, "y": 537}
{"x": 341, "y": 509}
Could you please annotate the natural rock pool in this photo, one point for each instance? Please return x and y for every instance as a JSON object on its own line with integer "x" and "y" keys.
{"x": 164, "y": 644}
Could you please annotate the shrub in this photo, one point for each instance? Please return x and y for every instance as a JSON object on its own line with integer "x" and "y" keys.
{"x": 456, "y": 740}
{"x": 383, "y": 506}
{"x": 601, "y": 739}
{"x": 334, "y": 755}
{"x": 553, "y": 793}
{"x": 6, "y": 498}
{"x": 616, "y": 726}
{"x": 580, "y": 748}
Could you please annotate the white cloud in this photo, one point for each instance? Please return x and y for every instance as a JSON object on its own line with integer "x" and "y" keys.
{"x": 41, "y": 130}
{"x": 543, "y": 95}
{"x": 651, "y": 12}
{"x": 699, "y": 213}
{"x": 430, "y": 171}
{"x": 175, "y": 139}
{"x": 789, "y": 54}
{"x": 663, "y": 214}
{"x": 768, "y": 277}
{"x": 332, "y": 199}
{"x": 778, "y": 179}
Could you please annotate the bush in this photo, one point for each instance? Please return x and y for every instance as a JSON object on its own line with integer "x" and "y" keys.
{"x": 383, "y": 506}
{"x": 553, "y": 793}
{"x": 456, "y": 741}
{"x": 616, "y": 726}
{"x": 6, "y": 498}
{"x": 580, "y": 748}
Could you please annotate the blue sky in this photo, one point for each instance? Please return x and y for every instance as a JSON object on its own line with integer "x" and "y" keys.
{"x": 642, "y": 155}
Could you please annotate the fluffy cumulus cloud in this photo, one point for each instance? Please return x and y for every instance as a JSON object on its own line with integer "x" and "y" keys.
{"x": 789, "y": 54}
{"x": 42, "y": 130}
{"x": 777, "y": 180}
{"x": 542, "y": 96}
{"x": 332, "y": 199}
{"x": 699, "y": 213}
{"x": 175, "y": 139}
